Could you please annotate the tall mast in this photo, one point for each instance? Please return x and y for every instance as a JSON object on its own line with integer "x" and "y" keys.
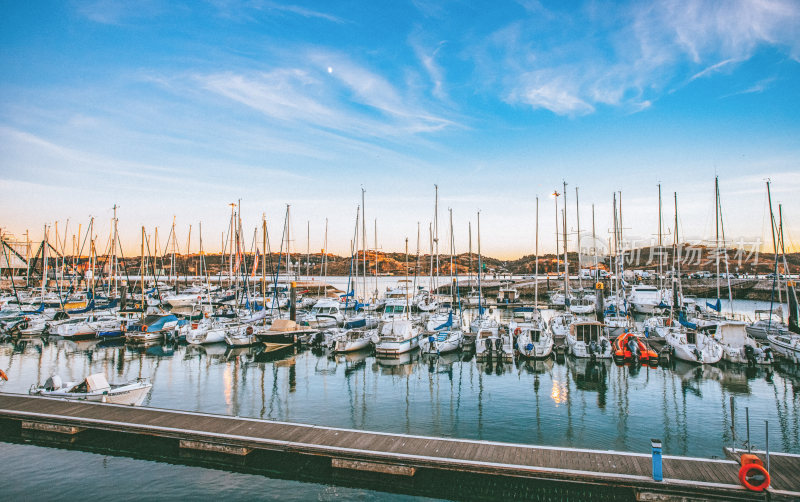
{"x": 594, "y": 248}
{"x": 230, "y": 241}
{"x": 436, "y": 234}
{"x": 364, "y": 243}
{"x": 115, "y": 263}
{"x": 308, "y": 247}
{"x": 288, "y": 243}
{"x": 141, "y": 274}
{"x": 408, "y": 309}
{"x": 775, "y": 251}
{"x": 660, "y": 247}
{"x": 566, "y": 256}
{"x": 264, "y": 261}
{"x": 430, "y": 238}
{"x": 480, "y": 268}
{"x": 578, "y": 219}
{"x": 469, "y": 272}
{"x": 452, "y": 251}
{"x": 44, "y": 262}
{"x": 716, "y": 225}
{"x": 375, "y": 295}
{"x": 555, "y": 201}
{"x": 416, "y": 266}
{"x": 536, "y": 271}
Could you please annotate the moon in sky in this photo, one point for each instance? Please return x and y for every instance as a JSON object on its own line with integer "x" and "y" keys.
{"x": 330, "y": 70}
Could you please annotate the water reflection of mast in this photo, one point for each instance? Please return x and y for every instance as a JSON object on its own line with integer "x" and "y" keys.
{"x": 622, "y": 404}
{"x": 480, "y": 404}
{"x": 790, "y": 434}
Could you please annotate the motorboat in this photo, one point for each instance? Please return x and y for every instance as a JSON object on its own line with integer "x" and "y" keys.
{"x": 490, "y": 340}
{"x": 583, "y": 304}
{"x": 240, "y": 336}
{"x": 508, "y": 294}
{"x": 95, "y": 388}
{"x": 787, "y": 345}
{"x": 283, "y": 331}
{"x": 210, "y": 330}
{"x": 153, "y": 327}
{"x": 395, "y": 337}
{"x": 767, "y": 324}
{"x": 352, "y": 340}
{"x": 738, "y": 347}
{"x": 325, "y": 313}
{"x": 395, "y": 309}
{"x": 587, "y": 339}
{"x": 646, "y": 299}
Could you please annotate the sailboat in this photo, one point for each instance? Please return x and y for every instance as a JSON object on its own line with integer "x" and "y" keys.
{"x": 397, "y": 333}
{"x": 447, "y": 336}
{"x": 688, "y": 343}
{"x": 787, "y": 343}
{"x": 533, "y": 339}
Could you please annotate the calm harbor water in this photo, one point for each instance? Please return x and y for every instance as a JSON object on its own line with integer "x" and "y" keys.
{"x": 571, "y": 403}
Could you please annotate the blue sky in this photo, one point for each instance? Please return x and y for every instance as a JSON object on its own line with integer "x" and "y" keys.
{"x": 177, "y": 109}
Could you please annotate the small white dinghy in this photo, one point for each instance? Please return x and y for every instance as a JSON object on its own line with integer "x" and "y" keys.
{"x": 95, "y": 388}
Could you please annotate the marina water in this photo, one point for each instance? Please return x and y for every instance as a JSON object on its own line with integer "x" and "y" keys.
{"x": 569, "y": 403}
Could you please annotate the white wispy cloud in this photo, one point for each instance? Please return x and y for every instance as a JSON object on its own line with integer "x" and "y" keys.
{"x": 427, "y": 58}
{"x": 714, "y": 68}
{"x": 758, "y": 87}
{"x": 330, "y": 92}
{"x": 630, "y": 63}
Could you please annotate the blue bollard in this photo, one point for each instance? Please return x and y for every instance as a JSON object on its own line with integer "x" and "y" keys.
{"x": 655, "y": 445}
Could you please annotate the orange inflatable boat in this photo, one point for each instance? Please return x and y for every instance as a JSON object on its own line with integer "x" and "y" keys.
{"x": 628, "y": 347}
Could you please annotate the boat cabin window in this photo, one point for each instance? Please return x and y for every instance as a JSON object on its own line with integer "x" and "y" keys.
{"x": 691, "y": 337}
{"x": 588, "y": 332}
{"x": 536, "y": 335}
{"x": 394, "y": 309}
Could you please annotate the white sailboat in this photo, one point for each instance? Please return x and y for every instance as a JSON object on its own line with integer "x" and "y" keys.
{"x": 693, "y": 346}
{"x": 533, "y": 339}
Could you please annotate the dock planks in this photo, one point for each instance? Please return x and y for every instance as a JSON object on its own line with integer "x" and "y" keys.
{"x": 712, "y": 478}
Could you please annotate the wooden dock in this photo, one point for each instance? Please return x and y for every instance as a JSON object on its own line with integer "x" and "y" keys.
{"x": 398, "y": 456}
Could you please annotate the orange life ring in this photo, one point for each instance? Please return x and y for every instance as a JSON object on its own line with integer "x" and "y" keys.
{"x": 3, "y": 375}
{"x": 668, "y": 322}
{"x": 755, "y": 473}
{"x": 517, "y": 331}
{"x": 249, "y": 330}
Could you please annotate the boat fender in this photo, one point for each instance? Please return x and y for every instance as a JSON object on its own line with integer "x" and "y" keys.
{"x": 752, "y": 474}
{"x": 698, "y": 354}
{"x": 3, "y": 375}
{"x": 529, "y": 347}
{"x": 249, "y": 330}
{"x": 431, "y": 339}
